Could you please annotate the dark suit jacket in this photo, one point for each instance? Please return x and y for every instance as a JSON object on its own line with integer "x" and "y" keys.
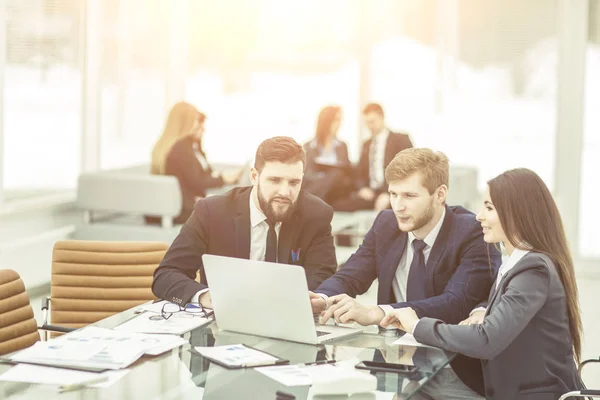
{"x": 459, "y": 274}
{"x": 460, "y": 271}
{"x": 220, "y": 225}
{"x": 193, "y": 178}
{"x": 524, "y": 342}
{"x": 396, "y": 142}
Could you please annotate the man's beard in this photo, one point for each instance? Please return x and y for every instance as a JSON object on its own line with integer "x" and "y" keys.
{"x": 268, "y": 207}
{"x": 424, "y": 219}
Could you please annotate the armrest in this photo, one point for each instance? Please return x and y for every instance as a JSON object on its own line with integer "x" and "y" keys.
{"x": 47, "y": 327}
{"x": 589, "y": 361}
{"x": 56, "y": 328}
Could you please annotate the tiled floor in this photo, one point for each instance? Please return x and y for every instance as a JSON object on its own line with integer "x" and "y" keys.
{"x": 589, "y": 289}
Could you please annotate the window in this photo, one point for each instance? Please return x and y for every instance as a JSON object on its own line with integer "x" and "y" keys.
{"x": 42, "y": 96}
{"x": 136, "y": 41}
{"x": 476, "y": 82}
{"x": 270, "y": 75}
{"x": 589, "y": 217}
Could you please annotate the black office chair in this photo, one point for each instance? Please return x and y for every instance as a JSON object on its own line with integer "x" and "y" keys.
{"x": 589, "y": 393}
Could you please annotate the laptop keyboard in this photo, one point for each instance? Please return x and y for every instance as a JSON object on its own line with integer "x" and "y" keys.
{"x": 321, "y": 333}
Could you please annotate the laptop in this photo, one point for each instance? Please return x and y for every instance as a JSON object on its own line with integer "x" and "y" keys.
{"x": 265, "y": 299}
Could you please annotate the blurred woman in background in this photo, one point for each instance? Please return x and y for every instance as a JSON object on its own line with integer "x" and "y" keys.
{"x": 178, "y": 152}
{"x": 328, "y": 169}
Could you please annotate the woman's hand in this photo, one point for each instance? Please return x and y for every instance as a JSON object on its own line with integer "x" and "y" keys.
{"x": 401, "y": 318}
{"x": 231, "y": 176}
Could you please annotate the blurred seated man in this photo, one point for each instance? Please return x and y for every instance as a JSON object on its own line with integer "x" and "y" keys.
{"x": 427, "y": 255}
{"x": 377, "y": 152}
{"x": 272, "y": 220}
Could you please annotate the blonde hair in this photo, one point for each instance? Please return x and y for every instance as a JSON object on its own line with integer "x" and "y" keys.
{"x": 179, "y": 124}
{"x": 433, "y": 165}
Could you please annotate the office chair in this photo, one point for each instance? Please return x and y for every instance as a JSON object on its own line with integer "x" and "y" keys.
{"x": 18, "y": 328}
{"x": 589, "y": 393}
{"x": 93, "y": 280}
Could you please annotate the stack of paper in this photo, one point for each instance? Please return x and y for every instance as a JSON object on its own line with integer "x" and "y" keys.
{"x": 152, "y": 344}
{"x": 59, "y": 376}
{"x": 80, "y": 355}
{"x": 97, "y": 348}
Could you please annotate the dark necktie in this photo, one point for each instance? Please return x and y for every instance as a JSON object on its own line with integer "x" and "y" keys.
{"x": 372, "y": 156}
{"x": 415, "y": 285}
{"x": 271, "y": 251}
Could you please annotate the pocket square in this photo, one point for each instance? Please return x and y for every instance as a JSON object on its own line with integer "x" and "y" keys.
{"x": 296, "y": 255}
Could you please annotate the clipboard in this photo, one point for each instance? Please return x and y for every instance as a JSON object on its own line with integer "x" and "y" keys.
{"x": 238, "y": 356}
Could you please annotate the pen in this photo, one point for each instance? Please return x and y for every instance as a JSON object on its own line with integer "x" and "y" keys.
{"x": 319, "y": 362}
{"x": 81, "y": 385}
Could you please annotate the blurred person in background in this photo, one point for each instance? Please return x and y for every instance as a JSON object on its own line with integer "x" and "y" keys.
{"x": 377, "y": 153}
{"x": 328, "y": 172}
{"x": 178, "y": 152}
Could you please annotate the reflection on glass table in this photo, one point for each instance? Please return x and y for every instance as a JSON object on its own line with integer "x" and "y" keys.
{"x": 181, "y": 374}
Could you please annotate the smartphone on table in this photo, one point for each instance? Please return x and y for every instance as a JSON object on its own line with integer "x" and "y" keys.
{"x": 387, "y": 367}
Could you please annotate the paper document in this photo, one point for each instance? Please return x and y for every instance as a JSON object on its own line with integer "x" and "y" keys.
{"x": 58, "y": 376}
{"x": 151, "y": 344}
{"x": 238, "y": 356}
{"x": 176, "y": 325}
{"x": 304, "y": 374}
{"x": 80, "y": 354}
{"x": 97, "y": 348}
{"x": 409, "y": 340}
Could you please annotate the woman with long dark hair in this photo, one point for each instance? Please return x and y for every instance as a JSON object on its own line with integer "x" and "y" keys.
{"x": 328, "y": 169}
{"x": 529, "y": 339}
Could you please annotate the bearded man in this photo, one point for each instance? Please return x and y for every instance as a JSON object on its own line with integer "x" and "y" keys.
{"x": 272, "y": 220}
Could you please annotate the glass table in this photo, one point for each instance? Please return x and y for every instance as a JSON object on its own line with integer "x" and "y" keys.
{"x": 181, "y": 374}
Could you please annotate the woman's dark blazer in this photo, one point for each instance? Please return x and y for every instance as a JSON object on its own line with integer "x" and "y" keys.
{"x": 524, "y": 342}
{"x": 183, "y": 164}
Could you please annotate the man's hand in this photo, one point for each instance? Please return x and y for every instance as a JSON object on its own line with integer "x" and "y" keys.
{"x": 344, "y": 309}
{"x": 317, "y": 303}
{"x": 205, "y": 300}
{"x": 475, "y": 318}
{"x": 401, "y": 318}
{"x": 366, "y": 193}
{"x": 382, "y": 202}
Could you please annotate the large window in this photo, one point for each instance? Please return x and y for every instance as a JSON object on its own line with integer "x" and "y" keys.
{"x": 270, "y": 75}
{"x": 42, "y": 96}
{"x": 589, "y": 220}
{"x": 476, "y": 81}
{"x": 136, "y": 37}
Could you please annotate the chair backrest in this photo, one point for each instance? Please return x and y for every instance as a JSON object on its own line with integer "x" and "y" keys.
{"x": 129, "y": 192}
{"x": 18, "y": 328}
{"x": 94, "y": 280}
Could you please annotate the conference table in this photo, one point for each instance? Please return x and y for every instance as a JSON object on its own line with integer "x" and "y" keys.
{"x": 182, "y": 374}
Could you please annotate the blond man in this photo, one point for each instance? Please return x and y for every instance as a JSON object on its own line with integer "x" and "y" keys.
{"x": 427, "y": 255}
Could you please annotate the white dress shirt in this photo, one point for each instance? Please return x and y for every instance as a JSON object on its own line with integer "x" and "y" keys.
{"x": 258, "y": 230}
{"x": 508, "y": 264}
{"x": 401, "y": 278}
{"x": 201, "y": 159}
{"x": 258, "y": 236}
{"x": 377, "y": 176}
